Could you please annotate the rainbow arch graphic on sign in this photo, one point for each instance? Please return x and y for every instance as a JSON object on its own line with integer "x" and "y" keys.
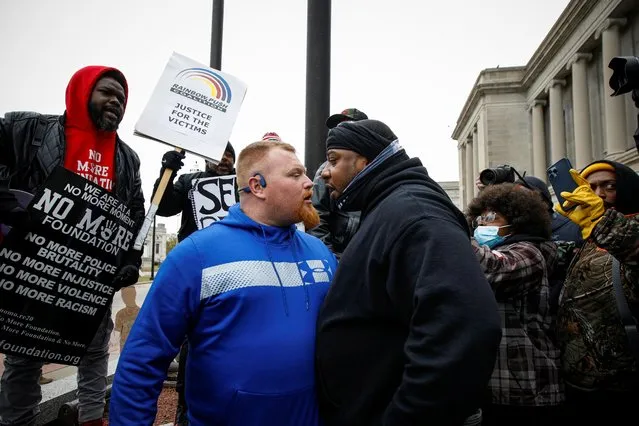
{"x": 220, "y": 89}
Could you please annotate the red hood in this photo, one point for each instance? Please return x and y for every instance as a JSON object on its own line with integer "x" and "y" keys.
{"x": 79, "y": 93}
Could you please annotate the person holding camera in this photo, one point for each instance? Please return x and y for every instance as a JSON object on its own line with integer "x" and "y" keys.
{"x": 562, "y": 228}
{"x": 512, "y": 243}
{"x": 599, "y": 363}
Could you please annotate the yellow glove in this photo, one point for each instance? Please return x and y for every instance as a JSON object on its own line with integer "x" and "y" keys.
{"x": 582, "y": 206}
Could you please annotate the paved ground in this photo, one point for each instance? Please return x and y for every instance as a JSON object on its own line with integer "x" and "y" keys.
{"x": 56, "y": 371}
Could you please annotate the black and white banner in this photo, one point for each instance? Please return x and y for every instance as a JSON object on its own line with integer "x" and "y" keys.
{"x": 212, "y": 197}
{"x": 55, "y": 280}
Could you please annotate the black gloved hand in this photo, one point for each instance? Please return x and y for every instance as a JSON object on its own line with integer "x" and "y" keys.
{"x": 126, "y": 276}
{"x": 173, "y": 160}
{"x": 8, "y": 201}
{"x": 19, "y": 218}
{"x": 11, "y": 214}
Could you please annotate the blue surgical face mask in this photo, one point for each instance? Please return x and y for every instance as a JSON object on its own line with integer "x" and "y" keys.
{"x": 489, "y": 236}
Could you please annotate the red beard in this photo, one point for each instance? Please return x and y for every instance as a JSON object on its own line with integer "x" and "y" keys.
{"x": 308, "y": 215}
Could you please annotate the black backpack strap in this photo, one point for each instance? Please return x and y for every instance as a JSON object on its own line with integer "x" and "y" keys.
{"x": 38, "y": 137}
{"x": 627, "y": 319}
{"x": 36, "y": 143}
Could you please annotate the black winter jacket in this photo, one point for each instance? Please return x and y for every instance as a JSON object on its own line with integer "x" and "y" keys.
{"x": 409, "y": 330}
{"x": 20, "y": 135}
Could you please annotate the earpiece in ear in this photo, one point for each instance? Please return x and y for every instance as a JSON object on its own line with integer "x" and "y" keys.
{"x": 262, "y": 183}
{"x": 262, "y": 180}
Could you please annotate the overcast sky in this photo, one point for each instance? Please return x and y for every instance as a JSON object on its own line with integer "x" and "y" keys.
{"x": 409, "y": 63}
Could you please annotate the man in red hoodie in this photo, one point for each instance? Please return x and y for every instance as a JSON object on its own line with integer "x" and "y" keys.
{"x": 83, "y": 140}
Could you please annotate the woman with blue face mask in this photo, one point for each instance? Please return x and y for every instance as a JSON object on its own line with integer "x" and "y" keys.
{"x": 511, "y": 240}
{"x": 493, "y": 234}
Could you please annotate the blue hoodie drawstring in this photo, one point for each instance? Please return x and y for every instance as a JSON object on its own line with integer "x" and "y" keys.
{"x": 268, "y": 251}
{"x": 297, "y": 263}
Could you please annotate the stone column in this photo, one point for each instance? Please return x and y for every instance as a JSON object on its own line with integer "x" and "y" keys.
{"x": 614, "y": 108}
{"x": 557, "y": 124}
{"x": 581, "y": 108}
{"x": 475, "y": 159}
{"x": 470, "y": 179}
{"x": 539, "y": 139}
{"x": 461, "y": 182}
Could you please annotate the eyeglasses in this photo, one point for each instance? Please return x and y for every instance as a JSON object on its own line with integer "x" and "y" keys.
{"x": 487, "y": 218}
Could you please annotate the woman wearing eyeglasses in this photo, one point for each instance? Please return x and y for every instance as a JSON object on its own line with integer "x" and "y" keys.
{"x": 512, "y": 243}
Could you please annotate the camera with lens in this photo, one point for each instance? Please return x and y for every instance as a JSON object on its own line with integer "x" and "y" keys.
{"x": 625, "y": 79}
{"x": 625, "y": 75}
{"x": 497, "y": 175}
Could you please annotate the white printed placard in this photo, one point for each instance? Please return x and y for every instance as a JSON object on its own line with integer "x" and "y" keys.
{"x": 212, "y": 197}
{"x": 56, "y": 281}
{"x": 193, "y": 107}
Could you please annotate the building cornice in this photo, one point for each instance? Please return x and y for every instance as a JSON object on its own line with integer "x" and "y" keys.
{"x": 481, "y": 89}
{"x": 570, "y": 18}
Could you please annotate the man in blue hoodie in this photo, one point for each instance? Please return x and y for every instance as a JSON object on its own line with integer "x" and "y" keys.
{"x": 246, "y": 291}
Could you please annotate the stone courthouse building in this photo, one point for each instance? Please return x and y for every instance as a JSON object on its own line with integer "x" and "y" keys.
{"x": 559, "y": 104}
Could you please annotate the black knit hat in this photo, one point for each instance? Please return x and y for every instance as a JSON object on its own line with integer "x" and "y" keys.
{"x": 539, "y": 186}
{"x": 365, "y": 137}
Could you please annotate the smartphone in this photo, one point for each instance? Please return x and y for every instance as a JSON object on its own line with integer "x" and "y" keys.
{"x": 560, "y": 178}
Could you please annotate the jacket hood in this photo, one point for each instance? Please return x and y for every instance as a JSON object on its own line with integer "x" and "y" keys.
{"x": 79, "y": 92}
{"x": 273, "y": 235}
{"x": 397, "y": 170}
{"x": 627, "y": 187}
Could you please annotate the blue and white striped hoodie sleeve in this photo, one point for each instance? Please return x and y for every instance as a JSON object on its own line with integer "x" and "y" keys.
{"x": 156, "y": 337}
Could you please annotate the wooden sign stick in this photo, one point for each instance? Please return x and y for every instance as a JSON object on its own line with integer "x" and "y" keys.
{"x": 155, "y": 202}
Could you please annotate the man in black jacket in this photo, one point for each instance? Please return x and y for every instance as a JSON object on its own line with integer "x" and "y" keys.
{"x": 409, "y": 329}
{"x": 83, "y": 140}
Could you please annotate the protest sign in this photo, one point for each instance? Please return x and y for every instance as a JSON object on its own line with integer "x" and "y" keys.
{"x": 212, "y": 197}
{"x": 193, "y": 107}
{"x": 55, "y": 281}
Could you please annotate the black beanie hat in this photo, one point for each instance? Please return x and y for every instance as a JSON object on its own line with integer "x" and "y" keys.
{"x": 365, "y": 137}
{"x": 539, "y": 186}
